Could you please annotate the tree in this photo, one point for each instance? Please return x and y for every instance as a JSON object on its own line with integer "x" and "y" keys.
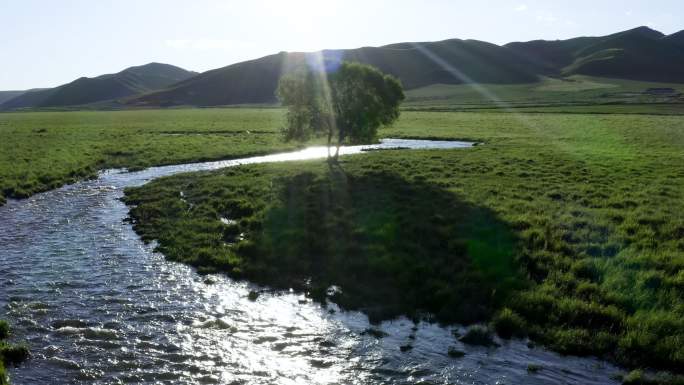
{"x": 307, "y": 111}
{"x": 350, "y": 103}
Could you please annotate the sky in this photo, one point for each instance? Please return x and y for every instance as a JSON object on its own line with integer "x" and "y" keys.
{"x": 45, "y": 43}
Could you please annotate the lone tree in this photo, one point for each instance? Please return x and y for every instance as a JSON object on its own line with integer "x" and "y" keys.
{"x": 348, "y": 104}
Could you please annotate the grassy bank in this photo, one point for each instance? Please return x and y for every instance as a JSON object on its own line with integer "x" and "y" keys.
{"x": 44, "y": 150}
{"x": 564, "y": 227}
{"x": 9, "y": 354}
{"x": 394, "y": 245}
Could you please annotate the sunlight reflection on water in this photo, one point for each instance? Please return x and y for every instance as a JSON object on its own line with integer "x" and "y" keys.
{"x": 97, "y": 306}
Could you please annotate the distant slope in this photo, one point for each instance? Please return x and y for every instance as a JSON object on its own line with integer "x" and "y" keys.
{"x": 416, "y": 64}
{"x": 676, "y": 39}
{"x": 639, "y": 54}
{"x": 636, "y": 54}
{"x": 131, "y": 81}
{"x": 7, "y": 95}
{"x": 448, "y": 62}
{"x": 252, "y": 81}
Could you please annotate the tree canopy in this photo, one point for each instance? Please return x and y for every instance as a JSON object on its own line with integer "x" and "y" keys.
{"x": 348, "y": 104}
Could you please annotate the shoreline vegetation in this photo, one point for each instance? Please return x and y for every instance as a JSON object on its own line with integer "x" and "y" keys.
{"x": 563, "y": 228}
{"x": 9, "y": 354}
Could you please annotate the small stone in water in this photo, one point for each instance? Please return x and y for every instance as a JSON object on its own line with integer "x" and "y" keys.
{"x": 377, "y": 333}
{"x": 455, "y": 353}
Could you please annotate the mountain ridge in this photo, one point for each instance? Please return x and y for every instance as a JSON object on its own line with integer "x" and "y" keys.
{"x": 639, "y": 53}
{"x": 10, "y": 94}
{"x": 86, "y": 90}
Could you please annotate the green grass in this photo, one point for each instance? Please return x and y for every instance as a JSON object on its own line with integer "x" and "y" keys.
{"x": 586, "y": 210}
{"x": 362, "y": 228}
{"x": 44, "y": 150}
{"x": 568, "y": 228}
{"x": 9, "y": 354}
{"x": 41, "y": 151}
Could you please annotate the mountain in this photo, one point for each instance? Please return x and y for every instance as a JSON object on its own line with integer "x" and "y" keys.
{"x": 416, "y": 64}
{"x": 131, "y": 81}
{"x": 676, "y": 39}
{"x": 7, "y": 95}
{"x": 636, "y": 54}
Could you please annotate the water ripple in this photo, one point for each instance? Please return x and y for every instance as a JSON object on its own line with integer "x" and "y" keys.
{"x": 98, "y": 306}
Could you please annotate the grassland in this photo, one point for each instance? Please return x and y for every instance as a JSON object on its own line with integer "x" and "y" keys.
{"x": 586, "y": 211}
{"x": 41, "y": 151}
{"x": 567, "y": 228}
{"x": 572, "y": 94}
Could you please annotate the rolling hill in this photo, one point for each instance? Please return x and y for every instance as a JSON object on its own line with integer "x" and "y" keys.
{"x": 639, "y": 54}
{"x": 416, "y": 64}
{"x": 676, "y": 39}
{"x": 636, "y": 54}
{"x": 7, "y": 95}
{"x": 131, "y": 81}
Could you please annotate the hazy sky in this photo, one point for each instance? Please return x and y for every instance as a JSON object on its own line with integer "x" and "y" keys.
{"x": 45, "y": 43}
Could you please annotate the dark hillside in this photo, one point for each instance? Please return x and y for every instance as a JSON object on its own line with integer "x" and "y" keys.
{"x": 131, "y": 81}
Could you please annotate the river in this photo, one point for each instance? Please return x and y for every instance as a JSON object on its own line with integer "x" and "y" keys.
{"x": 98, "y": 306}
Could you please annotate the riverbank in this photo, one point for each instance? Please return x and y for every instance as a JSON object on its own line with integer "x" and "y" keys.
{"x": 584, "y": 208}
{"x": 9, "y": 354}
{"x": 104, "y": 305}
{"x": 312, "y": 227}
{"x": 45, "y": 150}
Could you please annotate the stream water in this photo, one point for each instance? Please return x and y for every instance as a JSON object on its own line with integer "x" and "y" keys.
{"x": 97, "y": 306}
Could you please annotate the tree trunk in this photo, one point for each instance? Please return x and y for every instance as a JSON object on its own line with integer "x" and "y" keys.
{"x": 329, "y": 142}
{"x": 339, "y": 143}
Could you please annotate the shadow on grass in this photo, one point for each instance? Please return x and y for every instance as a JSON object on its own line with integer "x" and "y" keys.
{"x": 392, "y": 246}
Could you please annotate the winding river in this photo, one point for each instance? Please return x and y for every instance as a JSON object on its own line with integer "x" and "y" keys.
{"x": 97, "y": 306}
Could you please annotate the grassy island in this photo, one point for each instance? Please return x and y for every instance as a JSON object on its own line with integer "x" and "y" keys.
{"x": 567, "y": 228}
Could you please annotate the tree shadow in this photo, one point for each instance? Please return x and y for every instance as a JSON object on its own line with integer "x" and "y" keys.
{"x": 390, "y": 246}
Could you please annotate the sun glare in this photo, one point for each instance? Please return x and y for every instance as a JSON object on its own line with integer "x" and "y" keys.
{"x": 304, "y": 17}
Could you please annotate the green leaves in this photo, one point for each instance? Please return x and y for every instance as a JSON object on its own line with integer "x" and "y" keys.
{"x": 363, "y": 99}
{"x": 350, "y": 103}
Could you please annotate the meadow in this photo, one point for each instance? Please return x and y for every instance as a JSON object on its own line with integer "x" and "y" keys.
{"x": 564, "y": 227}
{"x": 567, "y": 228}
{"x": 44, "y": 150}
{"x": 578, "y": 93}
